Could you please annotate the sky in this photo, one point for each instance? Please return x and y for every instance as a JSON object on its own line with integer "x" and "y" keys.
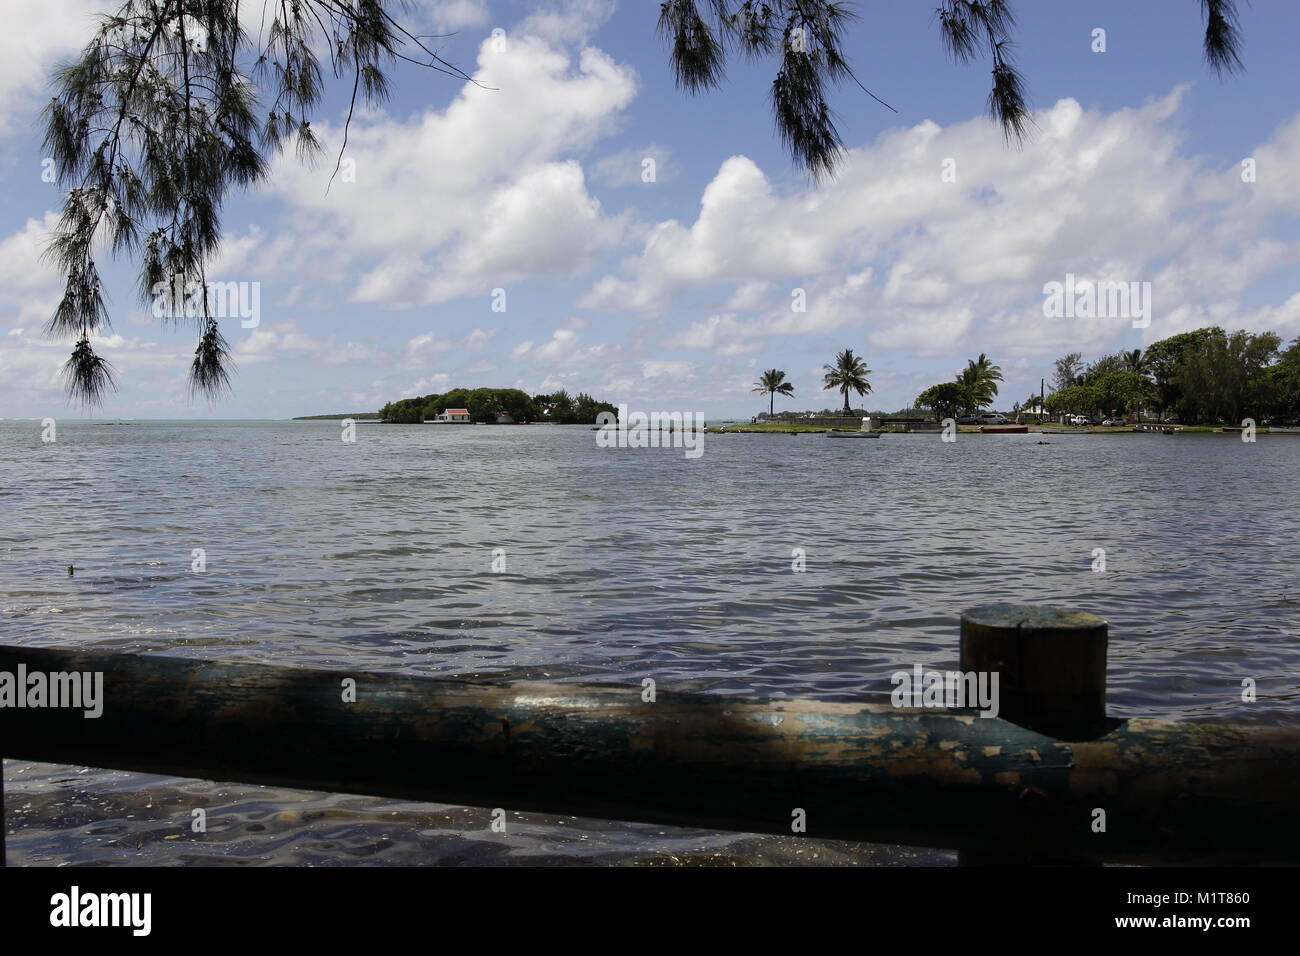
{"x": 503, "y": 234}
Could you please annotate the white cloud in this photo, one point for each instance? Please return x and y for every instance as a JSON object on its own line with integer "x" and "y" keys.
{"x": 422, "y": 348}
{"x": 440, "y": 382}
{"x": 463, "y": 200}
{"x": 567, "y": 22}
{"x": 426, "y": 347}
{"x": 1111, "y": 195}
{"x": 38, "y": 35}
{"x": 563, "y": 347}
{"x": 29, "y": 284}
{"x": 674, "y": 370}
{"x": 743, "y": 233}
{"x": 750, "y": 295}
{"x": 545, "y": 223}
{"x": 286, "y": 341}
{"x": 723, "y": 333}
{"x": 235, "y": 256}
{"x": 455, "y": 15}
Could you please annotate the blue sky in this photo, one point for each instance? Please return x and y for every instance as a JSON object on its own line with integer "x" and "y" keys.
{"x": 676, "y": 294}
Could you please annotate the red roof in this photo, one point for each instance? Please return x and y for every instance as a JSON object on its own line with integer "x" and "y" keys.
{"x": 456, "y": 411}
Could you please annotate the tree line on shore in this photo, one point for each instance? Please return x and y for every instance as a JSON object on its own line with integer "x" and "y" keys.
{"x": 484, "y": 404}
{"x": 1204, "y": 376}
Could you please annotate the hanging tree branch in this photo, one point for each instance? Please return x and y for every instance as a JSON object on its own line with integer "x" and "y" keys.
{"x": 1222, "y": 36}
{"x": 157, "y": 119}
{"x": 807, "y": 35}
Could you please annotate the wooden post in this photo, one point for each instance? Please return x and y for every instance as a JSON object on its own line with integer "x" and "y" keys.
{"x": 1051, "y": 667}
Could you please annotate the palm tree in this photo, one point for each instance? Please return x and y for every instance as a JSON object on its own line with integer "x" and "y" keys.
{"x": 980, "y": 377}
{"x": 849, "y": 373}
{"x": 1136, "y": 361}
{"x": 966, "y": 379}
{"x": 773, "y": 383}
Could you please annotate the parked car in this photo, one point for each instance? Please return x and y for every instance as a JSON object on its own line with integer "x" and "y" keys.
{"x": 993, "y": 418}
{"x": 1076, "y": 420}
{"x": 1114, "y": 422}
{"x": 969, "y": 420}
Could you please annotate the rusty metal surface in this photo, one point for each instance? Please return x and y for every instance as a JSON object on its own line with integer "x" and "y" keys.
{"x": 1170, "y": 792}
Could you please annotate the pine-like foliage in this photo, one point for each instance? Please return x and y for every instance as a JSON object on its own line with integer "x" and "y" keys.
{"x": 170, "y": 105}
{"x": 807, "y": 38}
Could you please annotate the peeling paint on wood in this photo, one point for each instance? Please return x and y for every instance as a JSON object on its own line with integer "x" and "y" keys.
{"x": 1172, "y": 792}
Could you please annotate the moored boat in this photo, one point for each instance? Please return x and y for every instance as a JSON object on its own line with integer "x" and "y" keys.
{"x": 835, "y": 433}
{"x": 1004, "y": 429}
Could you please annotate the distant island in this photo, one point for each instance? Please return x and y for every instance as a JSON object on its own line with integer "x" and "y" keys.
{"x": 495, "y": 405}
{"x": 331, "y": 418}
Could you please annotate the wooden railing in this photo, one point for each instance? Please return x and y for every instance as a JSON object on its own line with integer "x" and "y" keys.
{"x": 1052, "y": 778}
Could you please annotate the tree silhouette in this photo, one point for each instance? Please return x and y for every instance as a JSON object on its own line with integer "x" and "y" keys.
{"x": 773, "y": 383}
{"x": 849, "y": 373}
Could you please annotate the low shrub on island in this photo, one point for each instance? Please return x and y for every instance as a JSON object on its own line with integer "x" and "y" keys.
{"x": 484, "y": 404}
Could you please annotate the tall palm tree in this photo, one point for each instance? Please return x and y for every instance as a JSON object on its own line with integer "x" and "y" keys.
{"x": 849, "y": 373}
{"x": 980, "y": 378}
{"x": 773, "y": 383}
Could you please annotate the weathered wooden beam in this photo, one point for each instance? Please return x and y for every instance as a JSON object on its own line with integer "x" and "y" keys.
{"x": 1171, "y": 792}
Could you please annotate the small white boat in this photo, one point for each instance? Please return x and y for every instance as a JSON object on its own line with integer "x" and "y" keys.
{"x": 836, "y": 433}
{"x": 1065, "y": 431}
{"x": 1283, "y": 431}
